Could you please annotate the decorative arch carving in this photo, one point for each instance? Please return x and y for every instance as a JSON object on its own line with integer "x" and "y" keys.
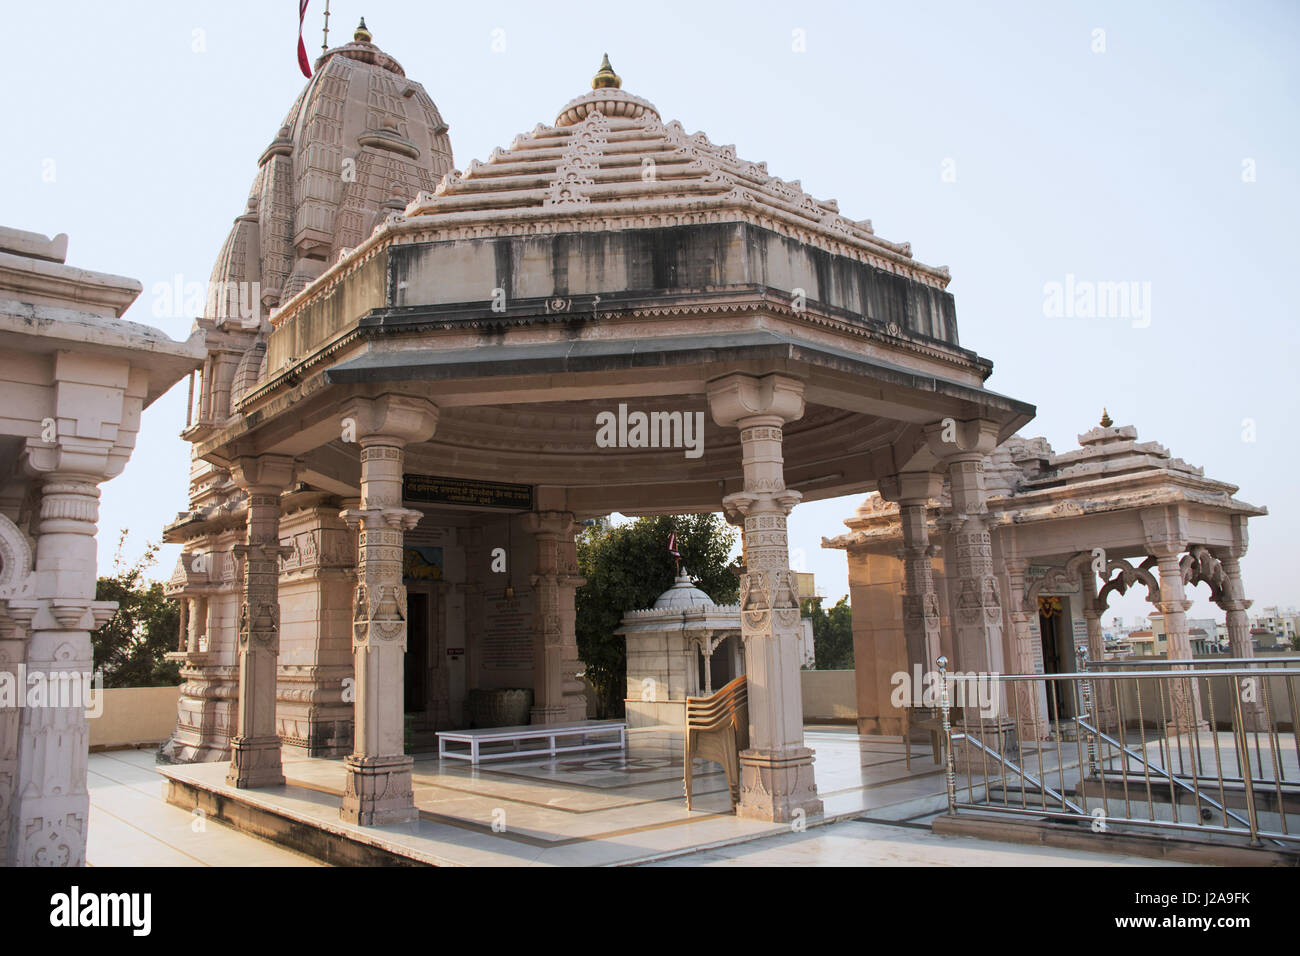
{"x": 16, "y": 578}
{"x": 1067, "y": 575}
{"x": 1200, "y": 566}
{"x": 1120, "y": 576}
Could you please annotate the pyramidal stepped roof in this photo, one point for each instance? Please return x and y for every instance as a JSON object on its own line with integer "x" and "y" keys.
{"x": 610, "y": 162}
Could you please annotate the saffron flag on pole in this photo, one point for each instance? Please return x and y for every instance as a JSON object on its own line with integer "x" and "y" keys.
{"x": 672, "y": 544}
{"x": 303, "y": 63}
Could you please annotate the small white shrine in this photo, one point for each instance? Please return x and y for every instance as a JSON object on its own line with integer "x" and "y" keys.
{"x": 683, "y": 646}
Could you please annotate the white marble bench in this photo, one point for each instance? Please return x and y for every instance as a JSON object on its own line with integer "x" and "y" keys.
{"x": 551, "y": 739}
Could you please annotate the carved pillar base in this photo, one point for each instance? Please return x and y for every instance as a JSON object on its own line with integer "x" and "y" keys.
{"x": 1253, "y": 716}
{"x": 548, "y": 715}
{"x": 778, "y": 786}
{"x": 1184, "y": 714}
{"x": 255, "y": 762}
{"x": 47, "y": 819}
{"x": 378, "y": 790}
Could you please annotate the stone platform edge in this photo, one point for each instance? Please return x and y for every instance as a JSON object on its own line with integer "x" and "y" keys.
{"x": 1064, "y": 836}
{"x": 251, "y": 811}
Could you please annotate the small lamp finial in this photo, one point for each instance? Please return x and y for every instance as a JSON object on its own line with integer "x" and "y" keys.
{"x": 1105, "y": 419}
{"x": 362, "y": 34}
{"x": 606, "y": 77}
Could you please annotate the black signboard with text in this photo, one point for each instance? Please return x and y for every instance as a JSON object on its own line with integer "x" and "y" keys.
{"x": 432, "y": 489}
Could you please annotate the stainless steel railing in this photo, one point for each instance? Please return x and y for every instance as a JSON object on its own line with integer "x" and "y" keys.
{"x": 1210, "y": 751}
{"x": 1287, "y": 661}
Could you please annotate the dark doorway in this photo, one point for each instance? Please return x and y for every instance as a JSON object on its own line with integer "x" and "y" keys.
{"x": 417, "y": 653}
{"x": 1051, "y": 622}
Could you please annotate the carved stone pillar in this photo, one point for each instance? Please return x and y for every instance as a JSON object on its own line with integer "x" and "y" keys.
{"x": 1103, "y": 691}
{"x": 1183, "y": 704}
{"x": 1103, "y": 696}
{"x": 913, "y": 491}
{"x": 208, "y": 578}
{"x": 378, "y": 786}
{"x": 13, "y": 639}
{"x": 255, "y": 748}
{"x": 978, "y": 613}
{"x": 776, "y": 772}
{"x": 50, "y": 803}
{"x": 1234, "y": 604}
{"x": 315, "y": 676}
{"x": 558, "y": 694}
{"x": 1027, "y": 708}
{"x": 183, "y": 630}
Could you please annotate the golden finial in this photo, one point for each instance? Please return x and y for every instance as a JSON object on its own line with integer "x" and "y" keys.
{"x": 1105, "y": 419}
{"x": 606, "y": 77}
{"x": 362, "y": 35}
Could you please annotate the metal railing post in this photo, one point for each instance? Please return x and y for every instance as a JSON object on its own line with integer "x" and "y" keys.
{"x": 1243, "y": 743}
{"x": 950, "y": 772}
{"x": 1085, "y": 687}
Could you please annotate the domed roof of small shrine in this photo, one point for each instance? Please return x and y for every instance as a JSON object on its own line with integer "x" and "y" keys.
{"x": 683, "y": 594}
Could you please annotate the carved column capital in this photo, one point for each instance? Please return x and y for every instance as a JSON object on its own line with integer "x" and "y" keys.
{"x": 263, "y": 474}
{"x": 744, "y": 503}
{"x": 739, "y": 400}
{"x": 558, "y": 524}
{"x": 911, "y": 487}
{"x": 391, "y": 419}
{"x": 85, "y": 457}
{"x": 375, "y": 519}
{"x": 951, "y": 440}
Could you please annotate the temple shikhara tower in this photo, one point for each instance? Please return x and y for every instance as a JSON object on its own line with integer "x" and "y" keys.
{"x": 393, "y": 452}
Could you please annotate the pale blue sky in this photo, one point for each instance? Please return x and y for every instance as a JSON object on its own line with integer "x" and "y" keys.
{"x": 1122, "y": 165}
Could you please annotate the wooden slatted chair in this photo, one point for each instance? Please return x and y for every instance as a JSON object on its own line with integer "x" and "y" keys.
{"x": 928, "y": 720}
{"x": 717, "y": 728}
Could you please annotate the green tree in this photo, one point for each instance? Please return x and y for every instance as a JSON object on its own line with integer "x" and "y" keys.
{"x": 627, "y": 566}
{"x": 131, "y": 645}
{"x": 832, "y": 633}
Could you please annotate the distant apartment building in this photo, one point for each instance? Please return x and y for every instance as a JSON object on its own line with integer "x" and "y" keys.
{"x": 1275, "y": 627}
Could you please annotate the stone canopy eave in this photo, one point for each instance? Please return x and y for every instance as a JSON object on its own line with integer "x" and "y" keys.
{"x": 758, "y": 302}
{"x": 638, "y": 305}
{"x": 591, "y": 355}
{"x": 41, "y": 327}
{"x": 1096, "y": 497}
{"x": 540, "y": 362}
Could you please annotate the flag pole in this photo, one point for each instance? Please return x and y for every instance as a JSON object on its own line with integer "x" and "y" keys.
{"x": 325, "y": 38}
